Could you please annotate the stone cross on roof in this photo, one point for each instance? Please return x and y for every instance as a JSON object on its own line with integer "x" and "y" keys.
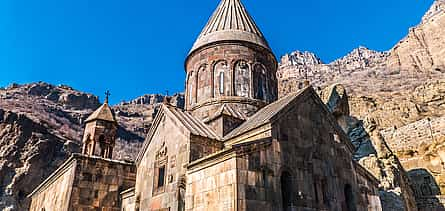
{"x": 107, "y": 95}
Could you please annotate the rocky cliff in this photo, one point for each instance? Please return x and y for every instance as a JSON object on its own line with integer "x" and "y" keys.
{"x": 423, "y": 49}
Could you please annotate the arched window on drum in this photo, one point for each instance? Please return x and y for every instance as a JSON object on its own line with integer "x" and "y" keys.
{"x": 261, "y": 84}
{"x": 204, "y": 84}
{"x": 191, "y": 88}
{"x": 221, "y": 79}
{"x": 242, "y": 79}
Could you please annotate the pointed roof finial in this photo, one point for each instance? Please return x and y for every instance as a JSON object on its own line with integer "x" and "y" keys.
{"x": 230, "y": 22}
{"x": 107, "y": 95}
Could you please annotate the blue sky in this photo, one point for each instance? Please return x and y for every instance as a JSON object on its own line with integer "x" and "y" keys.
{"x": 134, "y": 47}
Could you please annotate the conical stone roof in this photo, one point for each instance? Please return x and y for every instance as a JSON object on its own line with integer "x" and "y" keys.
{"x": 229, "y": 22}
{"x": 102, "y": 113}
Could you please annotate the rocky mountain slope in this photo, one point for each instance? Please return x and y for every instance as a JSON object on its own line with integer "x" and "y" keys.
{"x": 42, "y": 124}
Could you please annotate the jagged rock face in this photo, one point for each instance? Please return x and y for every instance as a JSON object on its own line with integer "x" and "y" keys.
{"x": 42, "y": 124}
{"x": 360, "y": 58}
{"x": 336, "y": 98}
{"x": 372, "y": 152}
{"x": 62, "y": 94}
{"x": 423, "y": 50}
{"x": 297, "y": 67}
{"x": 28, "y": 154}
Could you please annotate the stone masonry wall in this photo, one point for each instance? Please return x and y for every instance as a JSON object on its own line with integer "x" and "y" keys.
{"x": 212, "y": 187}
{"x": 85, "y": 183}
{"x": 255, "y": 67}
{"x": 56, "y": 195}
{"x": 98, "y": 183}
{"x": 172, "y": 142}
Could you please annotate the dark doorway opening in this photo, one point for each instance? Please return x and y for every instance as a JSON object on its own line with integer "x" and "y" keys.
{"x": 286, "y": 190}
{"x": 349, "y": 198}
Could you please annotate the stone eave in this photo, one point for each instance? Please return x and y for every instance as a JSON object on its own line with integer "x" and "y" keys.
{"x": 260, "y": 132}
{"x": 229, "y": 99}
{"x": 127, "y": 193}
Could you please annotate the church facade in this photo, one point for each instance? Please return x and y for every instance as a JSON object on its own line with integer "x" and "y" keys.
{"x": 235, "y": 146}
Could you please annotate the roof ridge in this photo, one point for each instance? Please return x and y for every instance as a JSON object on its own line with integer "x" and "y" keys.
{"x": 192, "y": 124}
{"x": 265, "y": 114}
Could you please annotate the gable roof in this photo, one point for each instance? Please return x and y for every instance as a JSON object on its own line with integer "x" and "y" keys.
{"x": 227, "y": 110}
{"x": 230, "y": 21}
{"x": 193, "y": 125}
{"x": 265, "y": 115}
{"x": 272, "y": 112}
{"x": 104, "y": 112}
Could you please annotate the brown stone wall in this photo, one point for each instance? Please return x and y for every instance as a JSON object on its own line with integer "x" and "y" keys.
{"x": 213, "y": 186}
{"x": 302, "y": 162}
{"x": 307, "y": 161}
{"x": 85, "y": 183}
{"x": 55, "y": 192}
{"x": 313, "y": 150}
{"x": 174, "y": 141}
{"x": 98, "y": 182}
{"x": 230, "y": 69}
{"x": 200, "y": 147}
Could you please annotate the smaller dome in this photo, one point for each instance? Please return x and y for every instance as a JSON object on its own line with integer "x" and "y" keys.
{"x": 102, "y": 113}
{"x": 229, "y": 22}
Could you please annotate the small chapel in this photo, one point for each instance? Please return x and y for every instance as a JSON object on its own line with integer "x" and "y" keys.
{"x": 235, "y": 145}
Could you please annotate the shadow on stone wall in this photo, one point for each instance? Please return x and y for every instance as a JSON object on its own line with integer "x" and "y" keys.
{"x": 426, "y": 190}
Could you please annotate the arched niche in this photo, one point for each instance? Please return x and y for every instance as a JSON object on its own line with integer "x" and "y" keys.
{"x": 261, "y": 87}
{"x": 204, "y": 83}
{"x": 242, "y": 79}
{"x": 221, "y": 79}
{"x": 192, "y": 88}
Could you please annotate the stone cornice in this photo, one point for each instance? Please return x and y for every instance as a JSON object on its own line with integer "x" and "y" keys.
{"x": 231, "y": 42}
{"x": 229, "y": 99}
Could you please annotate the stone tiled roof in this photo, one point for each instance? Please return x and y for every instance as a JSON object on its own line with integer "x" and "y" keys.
{"x": 230, "y": 21}
{"x": 227, "y": 110}
{"x": 102, "y": 113}
{"x": 194, "y": 125}
{"x": 264, "y": 115}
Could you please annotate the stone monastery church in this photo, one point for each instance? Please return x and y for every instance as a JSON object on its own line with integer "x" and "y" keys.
{"x": 235, "y": 146}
